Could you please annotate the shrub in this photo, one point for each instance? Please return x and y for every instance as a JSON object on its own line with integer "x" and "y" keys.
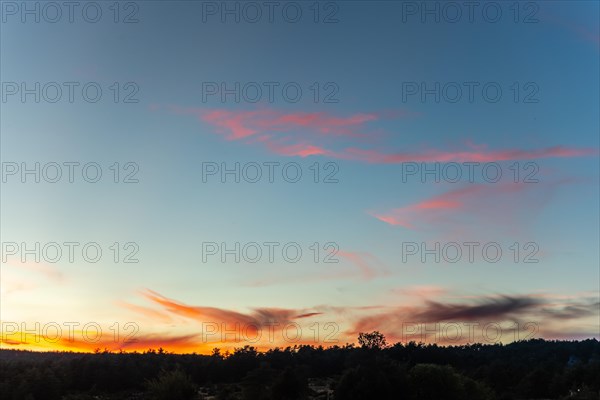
{"x": 172, "y": 385}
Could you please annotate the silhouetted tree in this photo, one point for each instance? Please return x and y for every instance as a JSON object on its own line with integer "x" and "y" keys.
{"x": 373, "y": 340}
{"x": 558, "y": 370}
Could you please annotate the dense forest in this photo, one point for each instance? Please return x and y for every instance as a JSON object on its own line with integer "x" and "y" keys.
{"x": 533, "y": 369}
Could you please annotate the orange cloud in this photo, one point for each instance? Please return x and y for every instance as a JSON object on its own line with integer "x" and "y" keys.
{"x": 178, "y": 343}
{"x": 258, "y": 318}
{"x": 554, "y": 316}
{"x": 148, "y": 312}
{"x": 13, "y": 342}
{"x": 129, "y": 338}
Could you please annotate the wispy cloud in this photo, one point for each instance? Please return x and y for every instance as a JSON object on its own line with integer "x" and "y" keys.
{"x": 140, "y": 342}
{"x": 43, "y": 269}
{"x": 303, "y": 134}
{"x": 517, "y": 313}
{"x": 257, "y": 318}
{"x": 363, "y": 266}
{"x": 241, "y": 124}
{"x": 420, "y": 291}
{"x": 590, "y": 34}
{"x": 150, "y": 313}
{"x": 470, "y": 210}
{"x": 428, "y": 308}
{"x": 77, "y": 340}
{"x": 26, "y": 276}
{"x": 485, "y": 309}
{"x": 365, "y": 263}
{"x": 480, "y": 155}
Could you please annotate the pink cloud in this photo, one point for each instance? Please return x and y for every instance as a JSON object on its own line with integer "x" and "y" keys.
{"x": 588, "y": 34}
{"x": 421, "y": 305}
{"x": 421, "y": 291}
{"x": 361, "y": 260}
{"x": 365, "y": 267}
{"x": 432, "y": 208}
{"x": 502, "y": 206}
{"x": 236, "y": 125}
{"x": 480, "y": 155}
{"x": 299, "y": 149}
{"x": 303, "y": 134}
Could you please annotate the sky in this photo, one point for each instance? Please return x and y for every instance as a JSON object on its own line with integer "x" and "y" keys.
{"x": 200, "y": 174}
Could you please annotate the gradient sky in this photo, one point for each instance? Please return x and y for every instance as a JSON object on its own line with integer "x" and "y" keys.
{"x": 373, "y": 53}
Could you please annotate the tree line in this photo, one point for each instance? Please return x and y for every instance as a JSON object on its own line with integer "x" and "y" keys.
{"x": 533, "y": 369}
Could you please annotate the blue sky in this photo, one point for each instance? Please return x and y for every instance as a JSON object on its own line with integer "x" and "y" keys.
{"x": 370, "y": 57}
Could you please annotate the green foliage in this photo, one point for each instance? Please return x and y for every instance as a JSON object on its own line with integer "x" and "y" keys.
{"x": 172, "y": 385}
